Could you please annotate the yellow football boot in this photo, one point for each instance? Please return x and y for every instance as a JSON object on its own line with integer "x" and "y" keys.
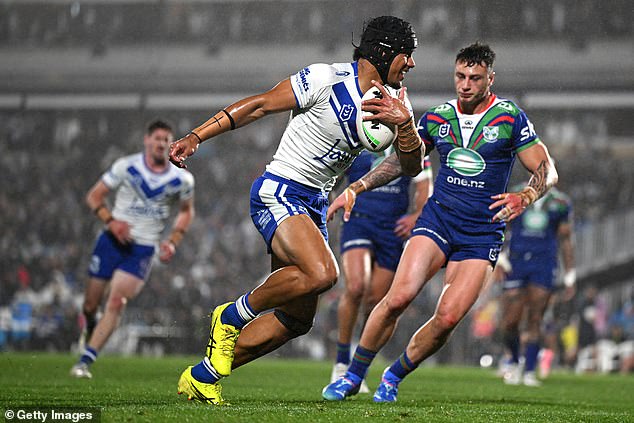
{"x": 209, "y": 393}
{"x": 222, "y": 342}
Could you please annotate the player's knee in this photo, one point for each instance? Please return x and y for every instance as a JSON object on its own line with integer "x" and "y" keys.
{"x": 397, "y": 303}
{"x": 322, "y": 277}
{"x": 447, "y": 320}
{"x": 116, "y": 303}
{"x": 293, "y": 325}
{"x": 354, "y": 291}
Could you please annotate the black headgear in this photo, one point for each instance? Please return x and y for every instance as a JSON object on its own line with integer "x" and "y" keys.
{"x": 383, "y": 39}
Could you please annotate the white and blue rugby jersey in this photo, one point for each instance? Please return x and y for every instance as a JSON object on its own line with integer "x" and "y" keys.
{"x": 321, "y": 139}
{"x": 144, "y": 197}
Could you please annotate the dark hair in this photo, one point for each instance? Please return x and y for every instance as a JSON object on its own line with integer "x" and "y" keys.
{"x": 158, "y": 124}
{"x": 477, "y": 53}
{"x": 356, "y": 54}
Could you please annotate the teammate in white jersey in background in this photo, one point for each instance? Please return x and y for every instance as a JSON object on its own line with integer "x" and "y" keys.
{"x": 289, "y": 201}
{"x": 147, "y": 187}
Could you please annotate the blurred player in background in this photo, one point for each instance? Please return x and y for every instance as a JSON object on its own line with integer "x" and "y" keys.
{"x": 534, "y": 243}
{"x": 371, "y": 244}
{"x": 289, "y": 201}
{"x": 147, "y": 186}
{"x": 477, "y": 137}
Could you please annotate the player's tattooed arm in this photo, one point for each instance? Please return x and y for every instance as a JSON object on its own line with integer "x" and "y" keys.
{"x": 384, "y": 173}
{"x": 544, "y": 176}
{"x": 543, "y": 179}
{"x": 387, "y": 171}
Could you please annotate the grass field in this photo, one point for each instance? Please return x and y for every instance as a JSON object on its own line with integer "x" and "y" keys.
{"x": 276, "y": 390}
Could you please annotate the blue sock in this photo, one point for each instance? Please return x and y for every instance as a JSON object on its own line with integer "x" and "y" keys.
{"x": 512, "y": 342}
{"x": 532, "y": 349}
{"x": 400, "y": 368}
{"x": 89, "y": 356}
{"x": 239, "y": 313}
{"x": 361, "y": 362}
{"x": 343, "y": 353}
{"x": 204, "y": 372}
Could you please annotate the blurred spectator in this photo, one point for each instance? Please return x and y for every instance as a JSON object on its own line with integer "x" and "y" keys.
{"x": 215, "y": 24}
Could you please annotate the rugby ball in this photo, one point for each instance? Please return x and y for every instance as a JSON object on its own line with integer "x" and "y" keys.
{"x": 375, "y": 135}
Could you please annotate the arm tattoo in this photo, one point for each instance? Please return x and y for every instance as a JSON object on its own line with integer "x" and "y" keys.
{"x": 387, "y": 171}
{"x": 218, "y": 120}
{"x": 544, "y": 177}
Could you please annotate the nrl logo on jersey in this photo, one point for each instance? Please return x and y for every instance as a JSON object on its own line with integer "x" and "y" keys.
{"x": 491, "y": 133}
{"x": 345, "y": 112}
{"x": 443, "y": 131}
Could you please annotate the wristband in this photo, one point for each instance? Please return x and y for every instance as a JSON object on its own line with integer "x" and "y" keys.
{"x": 176, "y": 236}
{"x": 233, "y": 123}
{"x": 570, "y": 277}
{"x": 200, "y": 140}
{"x": 103, "y": 214}
{"x": 407, "y": 141}
{"x": 365, "y": 187}
{"x": 358, "y": 186}
{"x": 530, "y": 194}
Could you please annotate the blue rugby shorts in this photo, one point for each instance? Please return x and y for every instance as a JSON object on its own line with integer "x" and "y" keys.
{"x": 109, "y": 255}
{"x": 459, "y": 238}
{"x": 274, "y": 199}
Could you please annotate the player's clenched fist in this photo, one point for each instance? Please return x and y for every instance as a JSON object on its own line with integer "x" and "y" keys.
{"x": 183, "y": 148}
{"x": 120, "y": 230}
{"x": 167, "y": 249}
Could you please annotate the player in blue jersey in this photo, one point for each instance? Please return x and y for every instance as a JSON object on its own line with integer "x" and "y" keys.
{"x": 371, "y": 244}
{"x": 533, "y": 247}
{"x": 146, "y": 187}
{"x": 477, "y": 137}
{"x": 289, "y": 201}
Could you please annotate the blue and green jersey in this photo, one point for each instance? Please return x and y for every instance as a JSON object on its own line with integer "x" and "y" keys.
{"x": 476, "y": 152}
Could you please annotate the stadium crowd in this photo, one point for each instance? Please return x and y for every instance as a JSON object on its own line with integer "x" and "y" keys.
{"x": 101, "y": 24}
{"x": 50, "y": 159}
